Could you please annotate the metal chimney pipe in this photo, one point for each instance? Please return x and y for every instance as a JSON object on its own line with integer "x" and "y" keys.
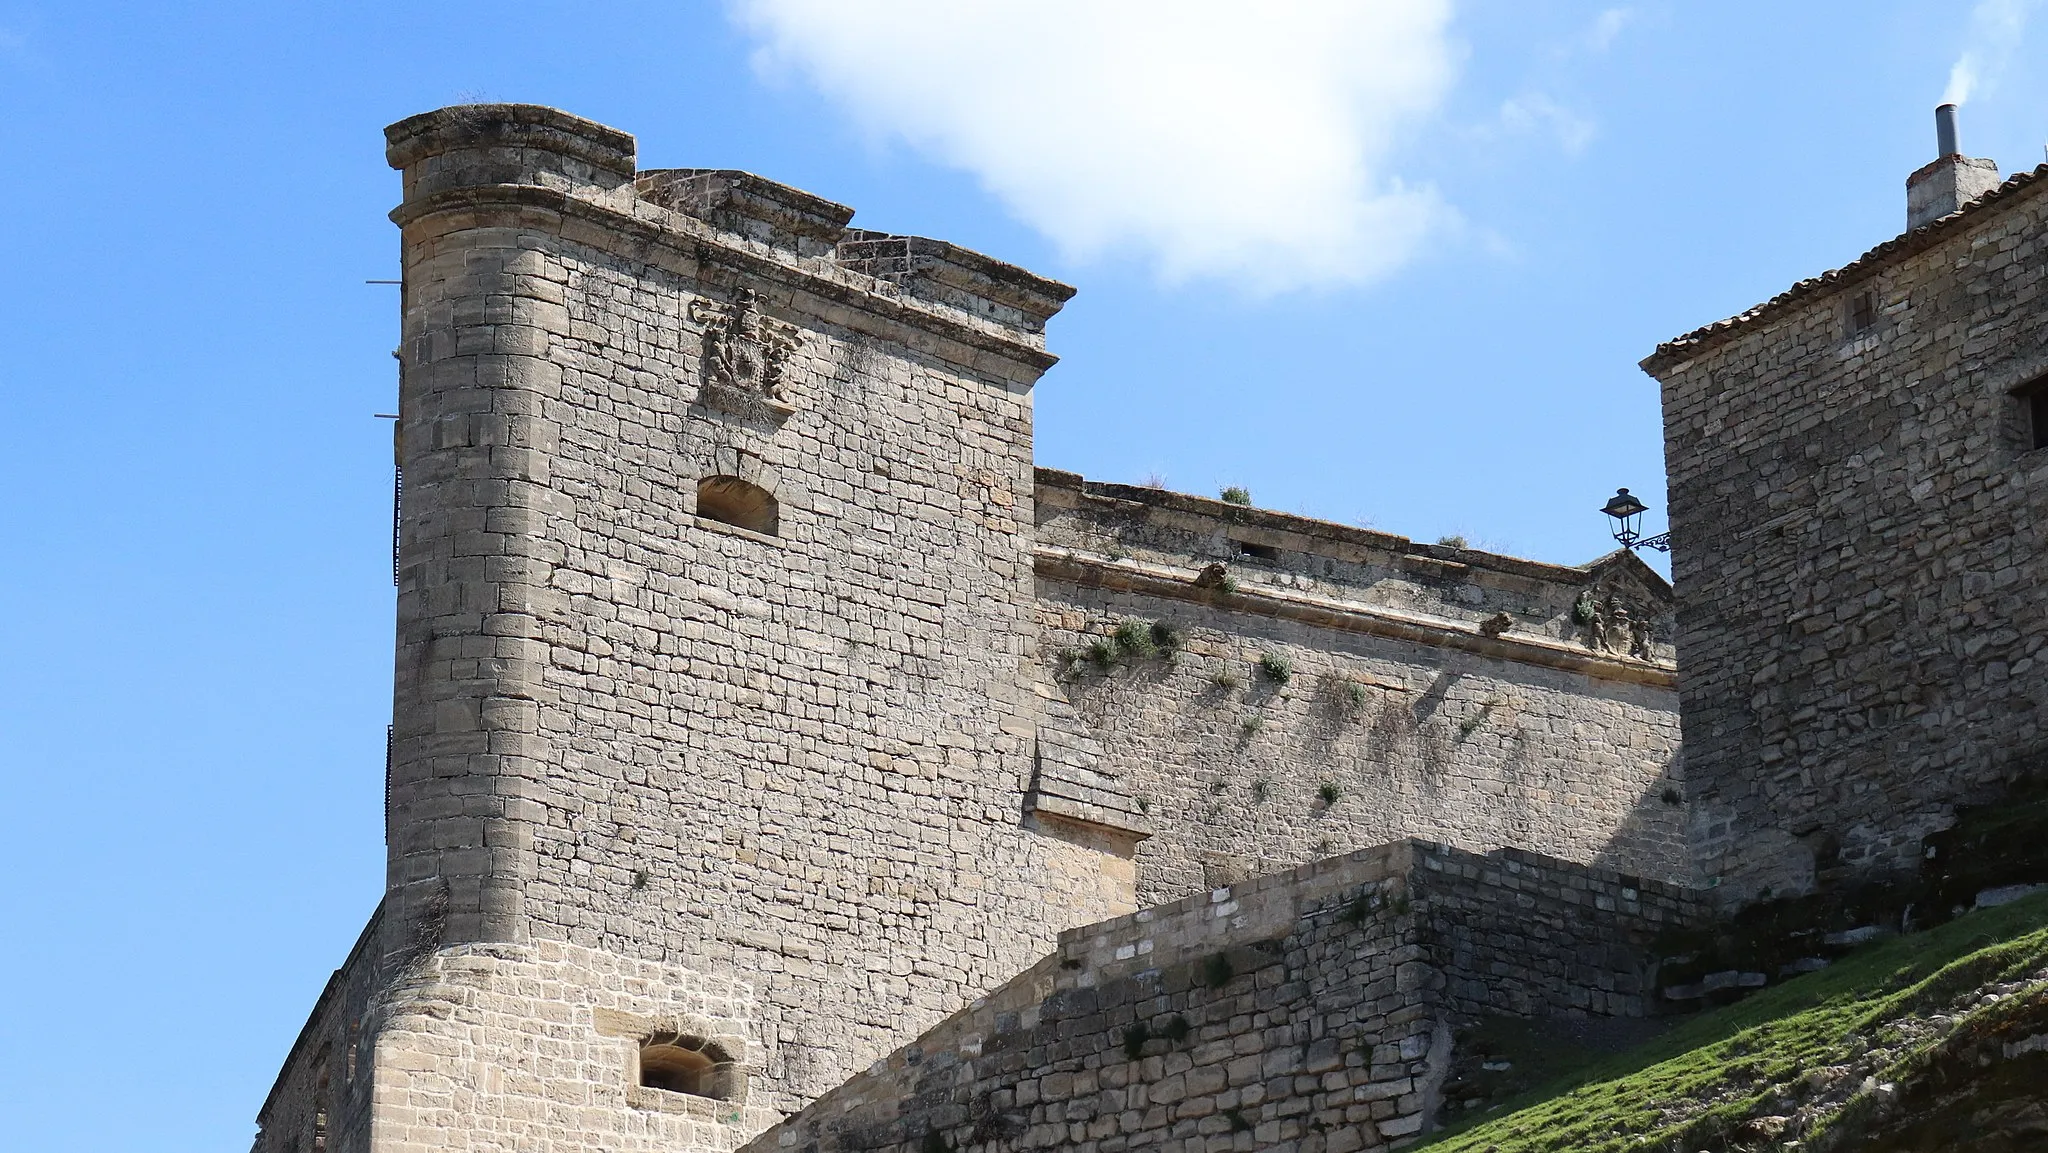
{"x": 1945, "y": 132}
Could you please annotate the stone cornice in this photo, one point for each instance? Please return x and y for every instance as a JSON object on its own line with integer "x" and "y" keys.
{"x": 1321, "y": 535}
{"x": 1181, "y": 583}
{"x": 684, "y": 245}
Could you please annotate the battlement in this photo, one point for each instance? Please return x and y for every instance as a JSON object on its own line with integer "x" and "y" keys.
{"x": 782, "y": 218}
{"x": 467, "y": 156}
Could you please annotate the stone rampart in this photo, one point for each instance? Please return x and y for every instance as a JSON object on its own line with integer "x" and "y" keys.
{"x": 1337, "y": 687}
{"x": 1310, "y": 1010}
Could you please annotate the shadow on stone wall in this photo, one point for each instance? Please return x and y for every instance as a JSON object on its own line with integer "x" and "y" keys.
{"x": 1655, "y": 828}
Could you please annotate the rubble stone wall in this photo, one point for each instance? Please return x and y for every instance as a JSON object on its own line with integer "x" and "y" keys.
{"x": 1858, "y": 514}
{"x": 1521, "y": 934}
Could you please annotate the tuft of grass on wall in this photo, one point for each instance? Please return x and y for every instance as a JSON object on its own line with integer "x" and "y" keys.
{"x": 1134, "y": 640}
{"x": 1360, "y": 909}
{"x": 1103, "y": 652}
{"x": 1235, "y": 494}
{"x": 1471, "y": 724}
{"x": 1276, "y": 667}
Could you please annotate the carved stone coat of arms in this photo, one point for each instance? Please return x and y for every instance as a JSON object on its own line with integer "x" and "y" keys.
{"x": 1612, "y": 628}
{"x": 744, "y": 353}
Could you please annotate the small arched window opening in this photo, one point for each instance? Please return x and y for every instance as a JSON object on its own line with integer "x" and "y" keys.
{"x": 730, "y": 500}
{"x": 683, "y": 1064}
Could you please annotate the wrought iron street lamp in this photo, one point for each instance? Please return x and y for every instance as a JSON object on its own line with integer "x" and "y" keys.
{"x": 1628, "y": 512}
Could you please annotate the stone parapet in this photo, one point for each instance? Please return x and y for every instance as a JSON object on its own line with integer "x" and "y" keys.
{"x": 1269, "y": 689}
{"x": 480, "y": 145}
{"x": 950, "y": 275}
{"x": 742, "y": 203}
{"x": 1267, "y": 554}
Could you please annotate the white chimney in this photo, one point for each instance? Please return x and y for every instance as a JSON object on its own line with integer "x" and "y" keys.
{"x": 1952, "y": 181}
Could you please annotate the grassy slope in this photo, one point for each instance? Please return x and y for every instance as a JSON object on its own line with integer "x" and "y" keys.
{"x": 1816, "y": 1048}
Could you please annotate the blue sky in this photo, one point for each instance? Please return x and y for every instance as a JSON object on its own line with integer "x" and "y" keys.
{"x": 1481, "y": 216}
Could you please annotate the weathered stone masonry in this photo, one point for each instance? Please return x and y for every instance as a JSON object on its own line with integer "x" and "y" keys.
{"x": 1430, "y": 691}
{"x": 1309, "y": 1011}
{"x": 731, "y": 701}
{"x": 795, "y": 759}
{"x": 1859, "y": 511}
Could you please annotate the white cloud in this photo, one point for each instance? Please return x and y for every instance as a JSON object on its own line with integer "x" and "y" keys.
{"x": 1243, "y": 141}
{"x": 1606, "y": 26}
{"x": 1532, "y": 113}
{"x": 1994, "y": 33}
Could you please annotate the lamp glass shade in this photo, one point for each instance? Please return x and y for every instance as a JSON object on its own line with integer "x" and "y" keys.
{"x": 1622, "y": 506}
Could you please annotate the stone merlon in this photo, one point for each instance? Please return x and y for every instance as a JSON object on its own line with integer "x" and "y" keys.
{"x": 472, "y": 153}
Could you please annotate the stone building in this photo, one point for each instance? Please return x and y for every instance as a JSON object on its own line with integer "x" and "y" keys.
{"x": 779, "y": 759}
{"x": 1858, "y": 498}
{"x": 759, "y": 706}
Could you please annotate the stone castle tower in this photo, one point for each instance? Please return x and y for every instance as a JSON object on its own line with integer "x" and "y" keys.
{"x": 758, "y": 704}
{"x": 710, "y": 649}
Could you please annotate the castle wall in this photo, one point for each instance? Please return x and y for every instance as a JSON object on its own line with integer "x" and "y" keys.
{"x": 1311, "y": 1010}
{"x": 505, "y": 1046}
{"x": 321, "y": 1100}
{"x": 793, "y": 753}
{"x": 1420, "y": 721}
{"x": 1519, "y": 934}
{"x": 736, "y": 691}
{"x": 1858, "y": 516}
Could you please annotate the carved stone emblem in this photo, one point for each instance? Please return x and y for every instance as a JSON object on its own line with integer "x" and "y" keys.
{"x": 1612, "y": 628}
{"x": 744, "y": 353}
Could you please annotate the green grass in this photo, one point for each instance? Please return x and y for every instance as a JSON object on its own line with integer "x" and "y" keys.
{"x": 1693, "y": 1086}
